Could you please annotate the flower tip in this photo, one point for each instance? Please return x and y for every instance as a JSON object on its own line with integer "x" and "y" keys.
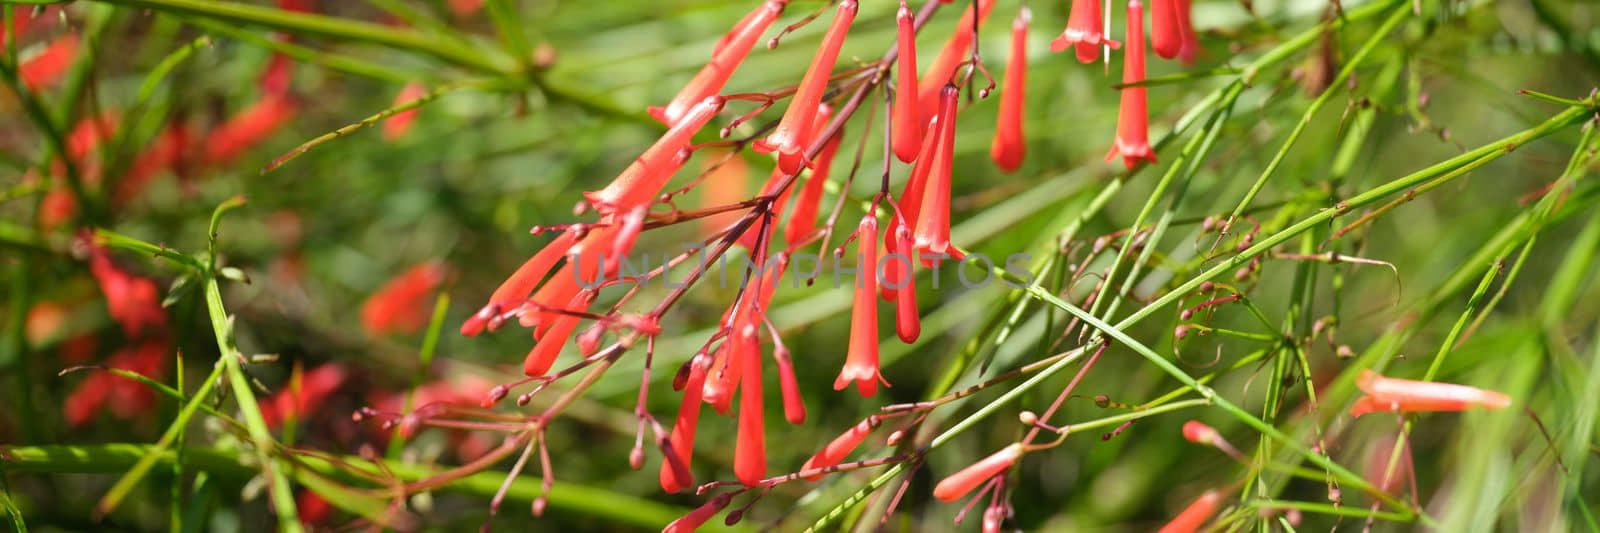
{"x": 960, "y": 483}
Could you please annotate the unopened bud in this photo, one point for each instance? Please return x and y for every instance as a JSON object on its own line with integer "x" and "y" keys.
{"x": 636, "y": 458}
{"x": 1178, "y": 333}
{"x": 1028, "y": 418}
{"x": 539, "y": 504}
{"x": 894, "y": 438}
{"x": 496, "y": 394}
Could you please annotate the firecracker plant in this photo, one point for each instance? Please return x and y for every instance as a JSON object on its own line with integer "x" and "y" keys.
{"x": 1015, "y": 265}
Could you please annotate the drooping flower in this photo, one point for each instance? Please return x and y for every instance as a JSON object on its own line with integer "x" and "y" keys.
{"x": 794, "y": 405}
{"x": 900, "y": 280}
{"x": 698, "y": 517}
{"x": 861, "y": 362}
{"x": 1009, "y": 144}
{"x": 838, "y": 448}
{"x": 53, "y": 62}
{"x": 957, "y": 49}
{"x": 558, "y": 332}
{"x": 278, "y": 77}
{"x": 917, "y": 182}
{"x": 516, "y": 288}
{"x": 134, "y": 302}
{"x": 1407, "y": 396}
{"x": 960, "y": 483}
{"x": 776, "y": 179}
{"x": 311, "y": 391}
{"x": 932, "y": 230}
{"x": 639, "y": 184}
{"x": 725, "y": 59}
{"x": 750, "y": 448}
{"x": 1133, "y": 118}
{"x": 1196, "y": 514}
{"x": 249, "y": 128}
{"x": 682, "y": 437}
{"x": 1191, "y": 41}
{"x": 402, "y": 304}
{"x": 906, "y": 115}
{"x": 124, "y": 398}
{"x": 1166, "y": 30}
{"x": 1085, "y": 32}
{"x": 794, "y": 130}
{"x": 397, "y": 125}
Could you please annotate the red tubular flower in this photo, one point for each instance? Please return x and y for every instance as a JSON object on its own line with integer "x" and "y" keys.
{"x": 249, "y": 128}
{"x": 723, "y": 381}
{"x": 698, "y": 517}
{"x": 1191, "y": 41}
{"x": 1199, "y": 433}
{"x": 907, "y": 117}
{"x": 900, "y": 279}
{"x": 1196, "y": 514}
{"x": 725, "y": 58}
{"x": 794, "y": 406}
{"x": 639, "y": 184}
{"x": 838, "y": 449}
{"x": 125, "y": 398}
{"x": 278, "y": 76}
{"x": 960, "y": 483}
{"x": 401, "y": 306}
{"x": 313, "y": 510}
{"x": 1009, "y": 145}
{"x": 555, "y": 336}
{"x": 1408, "y": 396}
{"x": 956, "y": 50}
{"x": 48, "y": 67}
{"x": 917, "y": 183}
{"x": 750, "y": 450}
{"x": 1166, "y": 32}
{"x": 313, "y": 389}
{"x": 516, "y": 288}
{"x": 789, "y": 139}
{"x": 133, "y": 301}
{"x": 803, "y": 220}
{"x": 682, "y": 438}
{"x": 1085, "y": 31}
{"x": 398, "y": 124}
{"x": 861, "y": 363}
{"x": 932, "y": 228}
{"x": 1133, "y": 119}
{"x": 820, "y": 123}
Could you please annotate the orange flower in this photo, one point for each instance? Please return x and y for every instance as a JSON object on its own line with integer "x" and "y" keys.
{"x": 1166, "y": 28}
{"x": 51, "y": 63}
{"x": 726, "y": 184}
{"x": 728, "y": 54}
{"x": 1133, "y": 119}
{"x": 932, "y": 229}
{"x": 803, "y": 220}
{"x": 1196, "y": 514}
{"x": 900, "y": 280}
{"x": 402, "y": 305}
{"x": 682, "y": 438}
{"x": 397, "y": 125}
{"x": 1085, "y": 31}
{"x": 311, "y": 391}
{"x": 960, "y": 483}
{"x": 838, "y": 449}
{"x": 249, "y": 128}
{"x": 1407, "y": 396}
{"x": 794, "y": 131}
{"x": 907, "y": 116}
{"x": 516, "y": 288}
{"x": 639, "y": 184}
{"x": 861, "y": 363}
{"x": 1009, "y": 145}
